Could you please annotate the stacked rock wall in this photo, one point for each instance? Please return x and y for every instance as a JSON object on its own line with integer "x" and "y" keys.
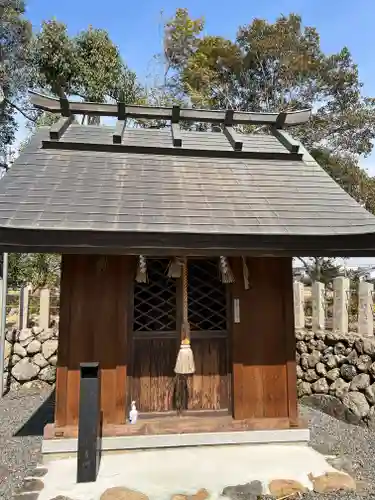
{"x": 30, "y": 356}
{"x": 341, "y": 366}
{"x": 329, "y": 365}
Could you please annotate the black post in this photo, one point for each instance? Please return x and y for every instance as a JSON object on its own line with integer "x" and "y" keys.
{"x": 89, "y": 425}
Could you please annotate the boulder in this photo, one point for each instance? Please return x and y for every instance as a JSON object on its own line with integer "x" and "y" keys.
{"x": 372, "y": 369}
{"x": 201, "y": 494}
{"x": 49, "y": 348}
{"x": 320, "y": 335}
{"x": 19, "y": 350}
{"x": 332, "y": 338}
{"x": 365, "y": 346}
{"x": 339, "y": 388}
{"x": 309, "y": 335}
{"x": 328, "y": 350}
{"x": 370, "y": 394}
{"x": 30, "y": 485}
{"x": 300, "y": 334}
{"x": 33, "y": 347}
{"x": 339, "y": 348}
{"x": 304, "y": 363}
{"x": 320, "y": 345}
{"x": 303, "y": 389}
{"x": 311, "y": 375}
{"x": 348, "y": 372}
{"x": 340, "y": 359}
{"x": 371, "y": 418}
{"x": 352, "y": 357}
{"x": 122, "y": 493}
{"x": 45, "y": 335}
{"x": 356, "y": 403}
{"x": 360, "y": 382}
{"x": 36, "y": 330}
{"x": 301, "y": 347}
{"x": 313, "y": 359}
{"x": 285, "y": 487}
{"x": 321, "y": 369}
{"x": 53, "y": 360}
{"x": 312, "y": 345}
{"x": 320, "y": 386}
{"x": 48, "y": 374}
{"x": 298, "y": 357}
{"x": 13, "y": 360}
{"x": 333, "y": 374}
{"x": 332, "y": 482}
{"x": 40, "y": 360}
{"x": 299, "y": 372}
{"x": 330, "y": 361}
{"x": 363, "y": 363}
{"x": 25, "y": 370}
{"x": 25, "y": 336}
{"x": 250, "y": 491}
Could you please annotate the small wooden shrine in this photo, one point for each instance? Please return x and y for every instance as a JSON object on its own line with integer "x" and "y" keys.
{"x": 175, "y": 233}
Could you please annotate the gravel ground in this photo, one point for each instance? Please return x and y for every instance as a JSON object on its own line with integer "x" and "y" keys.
{"x": 24, "y": 413}
{"x": 22, "y": 418}
{"x": 354, "y": 445}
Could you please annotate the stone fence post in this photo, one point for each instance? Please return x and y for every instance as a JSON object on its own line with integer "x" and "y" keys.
{"x": 23, "y": 311}
{"x": 365, "y": 309}
{"x": 44, "y": 307}
{"x": 318, "y": 306}
{"x": 341, "y": 291}
{"x": 299, "y": 305}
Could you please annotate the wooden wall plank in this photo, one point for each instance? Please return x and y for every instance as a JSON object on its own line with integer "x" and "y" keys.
{"x": 95, "y": 298}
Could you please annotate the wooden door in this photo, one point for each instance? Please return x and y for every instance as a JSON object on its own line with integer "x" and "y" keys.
{"x": 157, "y": 334}
{"x": 209, "y": 387}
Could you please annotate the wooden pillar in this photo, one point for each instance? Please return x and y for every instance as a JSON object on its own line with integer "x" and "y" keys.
{"x": 287, "y": 326}
{"x": 263, "y": 352}
{"x": 94, "y": 318}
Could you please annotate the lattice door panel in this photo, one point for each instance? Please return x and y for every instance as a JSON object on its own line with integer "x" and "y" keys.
{"x": 207, "y": 296}
{"x": 155, "y": 301}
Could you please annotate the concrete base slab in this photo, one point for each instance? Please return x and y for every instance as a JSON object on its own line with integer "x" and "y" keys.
{"x": 120, "y": 443}
{"x": 163, "y": 472}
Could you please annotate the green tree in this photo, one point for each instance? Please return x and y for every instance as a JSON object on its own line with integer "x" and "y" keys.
{"x": 15, "y": 68}
{"x": 88, "y": 66}
{"x": 274, "y": 67}
{"x": 37, "y": 270}
{"x": 323, "y": 269}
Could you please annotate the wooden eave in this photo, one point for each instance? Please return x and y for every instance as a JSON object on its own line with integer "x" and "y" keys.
{"x": 147, "y": 243}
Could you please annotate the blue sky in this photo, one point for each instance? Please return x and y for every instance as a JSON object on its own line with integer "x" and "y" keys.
{"x": 135, "y": 26}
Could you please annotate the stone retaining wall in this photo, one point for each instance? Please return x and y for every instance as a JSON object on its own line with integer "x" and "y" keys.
{"x": 337, "y": 366}
{"x": 341, "y": 366}
{"x": 30, "y": 357}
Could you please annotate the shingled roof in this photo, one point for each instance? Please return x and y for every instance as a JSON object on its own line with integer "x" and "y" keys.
{"x": 82, "y": 192}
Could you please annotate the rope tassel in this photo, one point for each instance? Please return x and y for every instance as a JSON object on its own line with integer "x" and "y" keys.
{"x": 185, "y": 359}
{"x": 141, "y": 276}
{"x": 245, "y": 272}
{"x": 226, "y": 272}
